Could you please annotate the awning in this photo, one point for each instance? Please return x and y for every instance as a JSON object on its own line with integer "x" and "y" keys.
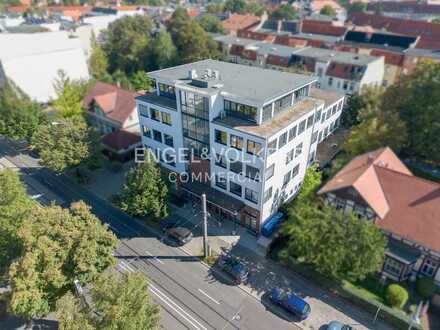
{"x": 402, "y": 252}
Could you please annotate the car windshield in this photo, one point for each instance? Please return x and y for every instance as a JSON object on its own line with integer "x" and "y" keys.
{"x": 307, "y": 310}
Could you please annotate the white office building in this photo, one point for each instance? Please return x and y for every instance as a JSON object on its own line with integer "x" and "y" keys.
{"x": 252, "y": 132}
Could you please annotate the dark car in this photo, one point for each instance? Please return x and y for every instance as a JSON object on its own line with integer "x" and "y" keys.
{"x": 168, "y": 224}
{"x": 336, "y": 325}
{"x": 180, "y": 234}
{"x": 234, "y": 268}
{"x": 290, "y": 302}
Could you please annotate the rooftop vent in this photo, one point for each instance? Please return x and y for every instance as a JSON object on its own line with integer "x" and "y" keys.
{"x": 192, "y": 74}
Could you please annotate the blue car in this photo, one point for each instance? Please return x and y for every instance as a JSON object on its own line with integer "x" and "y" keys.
{"x": 290, "y": 302}
{"x": 336, "y": 325}
{"x": 234, "y": 268}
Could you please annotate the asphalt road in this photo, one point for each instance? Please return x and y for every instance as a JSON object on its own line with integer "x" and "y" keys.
{"x": 192, "y": 296}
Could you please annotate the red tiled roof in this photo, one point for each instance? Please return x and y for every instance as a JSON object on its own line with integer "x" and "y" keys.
{"x": 405, "y": 7}
{"x": 256, "y": 35}
{"x": 406, "y": 205}
{"x": 428, "y": 43}
{"x": 249, "y": 54}
{"x": 398, "y": 25}
{"x": 193, "y": 12}
{"x": 121, "y": 140}
{"x": 117, "y": 103}
{"x": 17, "y": 9}
{"x": 240, "y": 22}
{"x": 278, "y": 60}
{"x": 391, "y": 58}
{"x": 236, "y": 50}
{"x": 289, "y": 41}
{"x": 342, "y": 70}
{"x": 317, "y": 5}
{"x": 321, "y": 27}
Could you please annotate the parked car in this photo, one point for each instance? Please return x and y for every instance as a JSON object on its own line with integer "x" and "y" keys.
{"x": 234, "y": 268}
{"x": 168, "y": 224}
{"x": 180, "y": 234}
{"x": 272, "y": 224}
{"x": 290, "y": 302}
{"x": 336, "y": 325}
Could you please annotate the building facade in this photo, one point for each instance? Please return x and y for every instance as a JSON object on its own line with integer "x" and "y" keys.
{"x": 247, "y": 135}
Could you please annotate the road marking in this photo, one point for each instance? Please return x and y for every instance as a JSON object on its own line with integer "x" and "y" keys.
{"x": 154, "y": 257}
{"x": 170, "y": 303}
{"x": 125, "y": 266}
{"x": 208, "y": 296}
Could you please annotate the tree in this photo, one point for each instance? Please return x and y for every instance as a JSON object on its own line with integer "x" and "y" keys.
{"x": 235, "y": 6}
{"x": 310, "y": 185}
{"x": 121, "y": 302}
{"x": 426, "y": 287}
{"x": 126, "y": 43}
{"x": 415, "y": 99}
{"x": 15, "y": 207}
{"x": 66, "y": 144}
{"x": 144, "y": 192}
{"x": 356, "y": 7}
{"x": 141, "y": 81}
{"x": 211, "y": 23}
{"x": 328, "y": 11}
{"x": 285, "y": 11}
{"x": 255, "y": 8}
{"x": 163, "y": 52}
{"x": 59, "y": 246}
{"x": 214, "y": 8}
{"x": 69, "y": 96}
{"x": 98, "y": 62}
{"x": 19, "y": 116}
{"x": 121, "y": 79}
{"x": 396, "y": 295}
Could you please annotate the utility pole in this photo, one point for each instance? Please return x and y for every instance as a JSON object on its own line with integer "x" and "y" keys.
{"x": 205, "y": 226}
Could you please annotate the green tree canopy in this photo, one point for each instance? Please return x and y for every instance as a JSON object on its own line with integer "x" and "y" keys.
{"x": 122, "y": 303}
{"x": 215, "y": 8}
{"x": 66, "y": 144}
{"x": 356, "y": 7}
{"x": 285, "y": 11}
{"x": 235, "y": 6}
{"x": 163, "y": 53}
{"x": 69, "y": 96}
{"x": 211, "y": 23}
{"x": 141, "y": 81}
{"x": 15, "y": 207}
{"x": 126, "y": 42}
{"x": 59, "y": 246}
{"x": 144, "y": 192}
{"x": 98, "y": 62}
{"x": 19, "y": 116}
{"x": 328, "y": 11}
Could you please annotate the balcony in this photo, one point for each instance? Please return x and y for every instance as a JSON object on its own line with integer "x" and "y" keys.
{"x": 161, "y": 101}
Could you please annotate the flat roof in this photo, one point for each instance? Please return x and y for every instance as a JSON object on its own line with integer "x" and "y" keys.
{"x": 338, "y": 56}
{"x": 276, "y": 124}
{"x": 329, "y": 97}
{"x": 249, "y": 84}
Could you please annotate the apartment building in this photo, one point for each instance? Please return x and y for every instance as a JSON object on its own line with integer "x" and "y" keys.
{"x": 336, "y": 70}
{"x": 252, "y": 133}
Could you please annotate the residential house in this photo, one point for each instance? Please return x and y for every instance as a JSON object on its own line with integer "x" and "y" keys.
{"x": 236, "y": 22}
{"x": 247, "y": 134}
{"x": 112, "y": 111}
{"x": 380, "y": 188}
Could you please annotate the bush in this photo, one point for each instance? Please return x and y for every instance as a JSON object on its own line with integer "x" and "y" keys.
{"x": 425, "y": 287}
{"x": 396, "y": 295}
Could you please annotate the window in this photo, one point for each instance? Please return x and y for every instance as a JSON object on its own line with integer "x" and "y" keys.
{"x": 302, "y": 127}
{"x": 157, "y": 135}
{"x": 292, "y": 133}
{"x": 330, "y": 81}
{"x": 272, "y": 147}
{"x": 323, "y": 117}
{"x": 318, "y": 116}
{"x": 310, "y": 121}
{"x": 235, "y": 188}
{"x": 252, "y": 173}
{"x": 267, "y": 112}
{"x": 329, "y": 113}
{"x": 267, "y": 194}
{"x": 270, "y": 171}
{"x": 345, "y": 85}
{"x": 253, "y": 147}
{"x": 194, "y": 105}
{"x": 282, "y": 140}
{"x": 282, "y": 103}
{"x": 143, "y": 110}
{"x": 168, "y": 140}
{"x": 314, "y": 137}
{"x": 241, "y": 110}
{"x": 167, "y": 91}
{"x": 221, "y": 137}
{"x": 289, "y": 156}
{"x": 220, "y": 160}
{"x": 166, "y": 118}
{"x": 251, "y": 195}
{"x": 286, "y": 178}
{"x": 220, "y": 181}
{"x": 146, "y": 131}
{"x": 429, "y": 267}
{"x": 340, "y": 106}
{"x": 393, "y": 266}
{"x": 236, "y": 167}
{"x": 236, "y": 142}
{"x": 295, "y": 171}
{"x": 195, "y": 128}
{"x": 334, "y": 109}
{"x": 298, "y": 149}
{"x": 155, "y": 114}
{"x": 300, "y": 93}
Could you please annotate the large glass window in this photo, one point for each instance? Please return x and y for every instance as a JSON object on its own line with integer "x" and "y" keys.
{"x": 267, "y": 194}
{"x": 236, "y": 167}
{"x": 220, "y": 160}
{"x": 270, "y": 171}
{"x": 197, "y": 148}
{"x": 236, "y": 142}
{"x": 302, "y": 127}
{"x": 298, "y": 149}
{"x": 292, "y": 133}
{"x": 393, "y": 266}
{"x": 310, "y": 121}
{"x": 251, "y": 195}
{"x": 166, "y": 118}
{"x": 267, "y": 112}
{"x": 241, "y": 110}
{"x": 286, "y": 179}
{"x": 220, "y": 181}
{"x": 282, "y": 140}
{"x": 295, "y": 171}
{"x": 282, "y": 103}
{"x": 168, "y": 140}
{"x": 252, "y": 173}
{"x": 155, "y": 114}
{"x": 235, "y": 188}
{"x": 195, "y": 128}
{"x": 167, "y": 91}
{"x": 157, "y": 135}
{"x": 221, "y": 137}
{"x": 194, "y": 105}
{"x": 253, "y": 147}
{"x": 289, "y": 156}
{"x": 272, "y": 147}
{"x": 143, "y": 110}
{"x": 300, "y": 93}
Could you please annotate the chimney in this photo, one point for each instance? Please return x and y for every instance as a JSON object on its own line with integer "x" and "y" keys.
{"x": 192, "y": 74}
